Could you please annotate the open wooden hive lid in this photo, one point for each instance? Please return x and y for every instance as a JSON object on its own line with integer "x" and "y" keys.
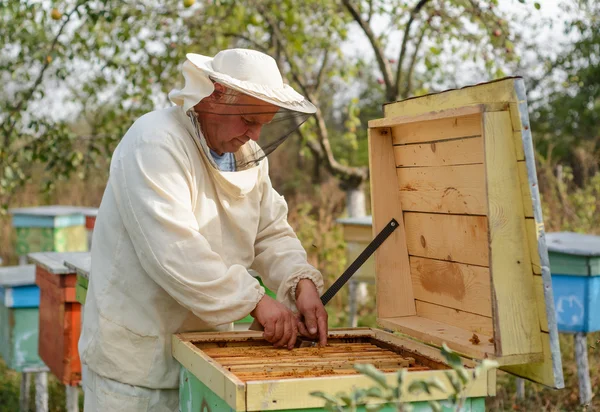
{"x": 468, "y": 264}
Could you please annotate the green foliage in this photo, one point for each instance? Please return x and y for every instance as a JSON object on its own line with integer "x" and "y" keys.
{"x": 388, "y": 394}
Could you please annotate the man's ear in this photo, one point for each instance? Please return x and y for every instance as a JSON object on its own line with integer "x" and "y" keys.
{"x": 219, "y": 92}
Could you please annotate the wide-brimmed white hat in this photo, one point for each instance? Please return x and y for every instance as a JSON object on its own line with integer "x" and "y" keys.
{"x": 248, "y": 71}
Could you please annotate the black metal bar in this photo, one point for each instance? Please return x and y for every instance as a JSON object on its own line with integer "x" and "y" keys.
{"x": 360, "y": 260}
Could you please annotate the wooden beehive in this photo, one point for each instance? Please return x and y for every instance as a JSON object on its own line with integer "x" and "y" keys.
{"x": 19, "y": 314}
{"x": 467, "y": 265}
{"x": 60, "y": 315}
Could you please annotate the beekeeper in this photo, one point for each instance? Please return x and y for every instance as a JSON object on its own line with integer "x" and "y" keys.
{"x": 188, "y": 210}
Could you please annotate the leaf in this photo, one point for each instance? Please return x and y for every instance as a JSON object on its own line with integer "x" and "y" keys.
{"x": 537, "y": 5}
{"x": 373, "y": 373}
{"x": 326, "y": 397}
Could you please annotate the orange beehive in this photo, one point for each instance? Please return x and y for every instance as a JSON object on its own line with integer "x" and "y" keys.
{"x": 60, "y": 316}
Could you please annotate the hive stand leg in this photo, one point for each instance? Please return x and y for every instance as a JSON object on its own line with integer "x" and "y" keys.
{"x": 23, "y": 260}
{"x": 24, "y": 395}
{"x": 41, "y": 392}
{"x": 72, "y": 398}
{"x": 352, "y": 319}
{"x": 583, "y": 368}
{"x": 520, "y": 388}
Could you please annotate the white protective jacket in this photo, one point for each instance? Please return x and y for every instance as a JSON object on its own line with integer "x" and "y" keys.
{"x": 173, "y": 242}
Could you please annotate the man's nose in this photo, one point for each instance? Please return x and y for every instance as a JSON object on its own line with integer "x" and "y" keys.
{"x": 254, "y": 132}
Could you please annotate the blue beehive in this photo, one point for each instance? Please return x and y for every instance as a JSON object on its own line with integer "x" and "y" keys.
{"x": 575, "y": 267}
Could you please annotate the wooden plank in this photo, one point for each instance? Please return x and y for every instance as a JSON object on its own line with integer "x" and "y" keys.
{"x": 444, "y": 189}
{"x": 219, "y": 380}
{"x": 318, "y": 366}
{"x": 540, "y": 372}
{"x": 52, "y": 262}
{"x": 452, "y": 152}
{"x": 428, "y": 116}
{"x": 540, "y": 301}
{"x": 22, "y": 275}
{"x": 495, "y": 93}
{"x": 340, "y": 357}
{"x": 456, "y": 238}
{"x": 263, "y": 376}
{"x": 469, "y": 321}
{"x": 517, "y": 328}
{"x": 564, "y": 264}
{"x": 519, "y": 145}
{"x": 525, "y": 192}
{"x": 294, "y": 394}
{"x": 430, "y": 131}
{"x": 394, "y": 285}
{"x": 532, "y": 240}
{"x": 356, "y": 233}
{"x": 435, "y": 333}
{"x": 454, "y": 285}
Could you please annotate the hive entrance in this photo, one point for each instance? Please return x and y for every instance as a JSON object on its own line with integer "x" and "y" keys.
{"x": 259, "y": 360}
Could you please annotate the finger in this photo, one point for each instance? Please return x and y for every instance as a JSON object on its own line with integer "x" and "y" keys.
{"x": 287, "y": 332}
{"x": 302, "y": 328}
{"x": 310, "y": 320}
{"x": 269, "y": 331}
{"x": 292, "y": 341}
{"x": 279, "y": 329}
{"x": 322, "y": 322}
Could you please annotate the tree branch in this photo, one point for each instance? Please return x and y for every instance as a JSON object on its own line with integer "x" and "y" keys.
{"x": 248, "y": 39}
{"x": 321, "y": 73}
{"x": 382, "y": 62}
{"x": 40, "y": 77}
{"x": 411, "y": 67}
{"x": 414, "y": 12}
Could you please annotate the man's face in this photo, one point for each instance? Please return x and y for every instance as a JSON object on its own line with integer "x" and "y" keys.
{"x": 228, "y": 124}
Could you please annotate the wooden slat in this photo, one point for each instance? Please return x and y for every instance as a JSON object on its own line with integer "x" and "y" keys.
{"x": 436, "y": 333}
{"x": 394, "y": 285}
{"x": 445, "y": 189}
{"x": 263, "y": 376}
{"x": 279, "y": 352}
{"x": 525, "y": 192}
{"x": 519, "y": 145}
{"x": 219, "y": 380}
{"x": 457, "y": 238}
{"x": 455, "y": 285}
{"x": 453, "y": 152}
{"x": 540, "y": 372}
{"x": 294, "y": 394}
{"x": 341, "y": 357}
{"x": 474, "y": 323}
{"x": 436, "y": 130}
{"x": 532, "y": 240}
{"x": 540, "y": 301}
{"x": 517, "y": 328}
{"x": 426, "y": 116}
{"x": 314, "y": 366}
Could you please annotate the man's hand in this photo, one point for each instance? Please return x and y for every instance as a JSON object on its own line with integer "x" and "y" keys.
{"x": 312, "y": 322}
{"x": 279, "y": 323}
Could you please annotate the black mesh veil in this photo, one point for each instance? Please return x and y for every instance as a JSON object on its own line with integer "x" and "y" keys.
{"x": 249, "y": 128}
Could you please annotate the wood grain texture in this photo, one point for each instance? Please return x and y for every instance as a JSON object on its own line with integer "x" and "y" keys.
{"x": 455, "y": 285}
{"x": 389, "y": 121}
{"x": 525, "y": 192}
{"x": 516, "y": 319}
{"x": 448, "y": 153}
{"x": 540, "y": 372}
{"x": 394, "y": 285}
{"x": 532, "y": 240}
{"x": 445, "y": 189}
{"x": 457, "y": 238}
{"x": 469, "y": 321}
{"x": 540, "y": 301}
{"x": 436, "y": 333}
{"x": 435, "y": 130}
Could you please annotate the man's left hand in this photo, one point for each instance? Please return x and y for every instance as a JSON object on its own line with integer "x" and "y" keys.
{"x": 312, "y": 322}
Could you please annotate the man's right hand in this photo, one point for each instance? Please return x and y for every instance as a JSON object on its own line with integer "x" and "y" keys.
{"x": 279, "y": 323}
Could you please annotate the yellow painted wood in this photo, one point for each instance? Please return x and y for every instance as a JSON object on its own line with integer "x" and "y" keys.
{"x": 524, "y": 185}
{"x": 540, "y": 302}
{"x": 461, "y": 319}
{"x": 494, "y": 93}
{"x": 437, "y": 130}
{"x": 532, "y": 239}
{"x": 446, "y": 153}
{"x": 516, "y": 320}
{"x": 454, "y": 285}
{"x": 445, "y": 189}
{"x": 540, "y": 372}
{"x": 358, "y": 233}
{"x": 295, "y": 393}
{"x": 222, "y": 382}
{"x": 436, "y": 333}
{"x": 394, "y": 285}
{"x": 429, "y": 115}
{"x": 519, "y": 145}
{"x": 456, "y": 238}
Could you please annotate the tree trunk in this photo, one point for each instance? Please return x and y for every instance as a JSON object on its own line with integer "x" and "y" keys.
{"x": 355, "y": 202}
